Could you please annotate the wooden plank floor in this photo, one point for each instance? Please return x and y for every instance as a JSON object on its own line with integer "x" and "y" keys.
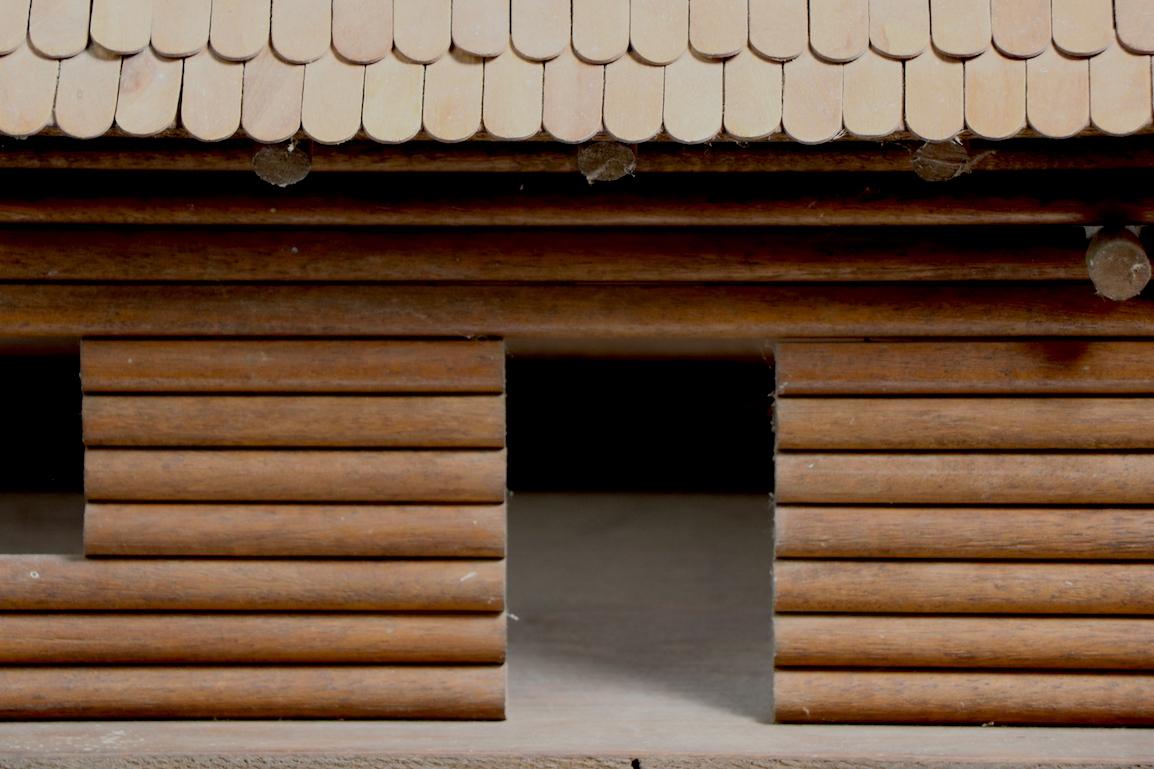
{"x": 642, "y": 632}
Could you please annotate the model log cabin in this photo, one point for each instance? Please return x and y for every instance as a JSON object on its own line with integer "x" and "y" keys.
{"x": 925, "y": 216}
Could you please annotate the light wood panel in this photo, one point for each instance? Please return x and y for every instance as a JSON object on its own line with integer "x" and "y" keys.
{"x": 943, "y": 587}
{"x": 601, "y": 30}
{"x": 27, "y": 91}
{"x": 950, "y": 642}
{"x": 47, "y": 583}
{"x": 240, "y": 28}
{"x": 149, "y": 93}
{"x": 779, "y": 29}
{"x": 363, "y": 29}
{"x": 180, "y": 28}
{"x": 540, "y": 28}
{"x": 964, "y": 533}
{"x": 192, "y": 639}
{"x": 474, "y": 692}
{"x": 292, "y": 366}
{"x": 57, "y": 28}
{"x": 318, "y": 530}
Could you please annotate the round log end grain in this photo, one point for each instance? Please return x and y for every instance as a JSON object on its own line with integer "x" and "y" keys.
{"x": 1117, "y": 264}
{"x": 606, "y": 161}
{"x": 282, "y": 165}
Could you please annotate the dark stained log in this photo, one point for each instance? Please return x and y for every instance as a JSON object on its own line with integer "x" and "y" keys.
{"x": 942, "y": 161}
{"x": 943, "y": 587}
{"x": 574, "y": 311}
{"x": 191, "y": 639}
{"x": 294, "y": 475}
{"x": 946, "y": 424}
{"x": 964, "y": 533}
{"x": 963, "y": 698}
{"x": 328, "y": 366}
{"x": 47, "y": 583}
{"x": 295, "y": 421}
{"x": 965, "y": 479}
{"x": 987, "y": 368}
{"x": 1117, "y": 263}
{"x": 964, "y": 642}
{"x": 357, "y": 691}
{"x": 110, "y": 254}
{"x": 320, "y": 530}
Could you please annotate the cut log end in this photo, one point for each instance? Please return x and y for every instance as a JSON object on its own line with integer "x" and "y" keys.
{"x": 942, "y": 161}
{"x": 1117, "y": 264}
{"x": 282, "y": 165}
{"x": 606, "y": 161}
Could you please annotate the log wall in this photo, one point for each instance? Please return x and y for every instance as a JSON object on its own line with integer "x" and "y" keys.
{"x": 963, "y": 533}
{"x": 274, "y": 529}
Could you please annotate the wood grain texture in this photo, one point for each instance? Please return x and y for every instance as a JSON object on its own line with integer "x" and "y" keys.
{"x": 634, "y": 99}
{"x": 273, "y": 90}
{"x": 284, "y": 639}
{"x": 942, "y": 587}
{"x": 960, "y": 28}
{"x": 512, "y": 98}
{"x": 573, "y": 97}
{"x": 570, "y": 311}
{"x": 363, "y": 29}
{"x": 302, "y": 29}
{"x": 779, "y": 29}
{"x": 718, "y": 28}
{"x": 295, "y": 421}
{"x": 1057, "y": 94}
{"x": 144, "y": 254}
{"x": 900, "y": 28}
{"x": 149, "y": 94}
{"x": 86, "y": 92}
{"x": 953, "y": 479}
{"x": 658, "y": 29}
{"x": 293, "y": 366}
{"x": 210, "y": 103}
{"x": 1134, "y": 23}
{"x": 694, "y": 96}
{"x": 995, "y": 95}
{"x": 121, "y": 26}
{"x": 332, "y": 99}
{"x": 601, "y": 30}
{"x": 27, "y": 91}
{"x": 473, "y": 692}
{"x": 14, "y": 25}
{"x": 57, "y": 28}
{"x": 947, "y": 424}
{"x": 1120, "y": 83}
{"x": 872, "y": 94}
{"x": 540, "y": 28}
{"x": 935, "y": 96}
{"x": 1021, "y": 28}
{"x": 1082, "y": 27}
{"x": 987, "y": 368}
{"x": 753, "y": 94}
{"x": 964, "y": 698}
{"x": 143, "y": 475}
{"x": 271, "y": 531}
{"x": 239, "y": 29}
{"x": 422, "y": 29}
{"x": 453, "y": 96}
{"x": 394, "y": 99}
{"x": 811, "y": 107}
{"x": 481, "y": 27}
{"x": 964, "y": 533}
{"x": 180, "y": 28}
{"x": 839, "y": 29}
{"x": 964, "y": 642}
{"x": 51, "y": 583}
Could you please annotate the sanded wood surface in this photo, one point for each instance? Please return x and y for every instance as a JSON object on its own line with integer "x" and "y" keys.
{"x": 573, "y": 311}
{"x": 293, "y": 421}
{"x": 762, "y": 255}
{"x": 963, "y": 698}
{"x": 256, "y": 475}
{"x": 923, "y": 368}
{"x": 292, "y": 366}
{"x": 846, "y": 424}
{"x": 322, "y": 530}
{"x": 45, "y": 583}
{"x": 928, "y": 587}
{"x": 185, "y": 639}
{"x": 964, "y": 533}
{"x": 474, "y": 692}
{"x": 964, "y": 642}
{"x": 962, "y": 479}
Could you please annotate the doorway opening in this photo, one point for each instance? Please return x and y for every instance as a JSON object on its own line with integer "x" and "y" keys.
{"x": 640, "y": 539}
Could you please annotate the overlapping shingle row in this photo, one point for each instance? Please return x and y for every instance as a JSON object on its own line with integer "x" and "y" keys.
{"x": 634, "y": 69}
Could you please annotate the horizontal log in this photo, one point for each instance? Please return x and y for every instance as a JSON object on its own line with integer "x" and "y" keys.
{"x": 987, "y": 368}
{"x": 964, "y": 642}
{"x": 360, "y": 366}
{"x": 186, "y": 639}
{"x": 572, "y": 311}
{"x": 929, "y": 587}
{"x": 964, "y": 698}
{"x": 309, "y": 420}
{"x": 945, "y": 424}
{"x": 965, "y": 479}
{"x": 261, "y": 531}
{"x": 964, "y": 533}
{"x": 287, "y": 475}
{"x": 515, "y": 201}
{"x": 61, "y": 583}
{"x": 474, "y": 692}
{"x": 540, "y": 255}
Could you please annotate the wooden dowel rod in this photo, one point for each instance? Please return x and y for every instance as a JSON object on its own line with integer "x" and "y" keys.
{"x": 964, "y": 642}
{"x": 261, "y": 531}
{"x": 929, "y": 587}
{"x": 573, "y": 311}
{"x": 964, "y": 533}
{"x": 347, "y": 366}
{"x": 185, "y": 639}
{"x": 960, "y": 368}
{"x": 964, "y": 698}
{"x": 474, "y": 692}
{"x": 144, "y": 475}
{"x": 558, "y": 255}
{"x": 946, "y": 424}
{"x": 61, "y": 583}
{"x": 965, "y": 479}
{"x": 295, "y": 421}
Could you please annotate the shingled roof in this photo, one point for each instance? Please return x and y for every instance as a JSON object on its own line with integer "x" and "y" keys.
{"x": 689, "y": 70}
